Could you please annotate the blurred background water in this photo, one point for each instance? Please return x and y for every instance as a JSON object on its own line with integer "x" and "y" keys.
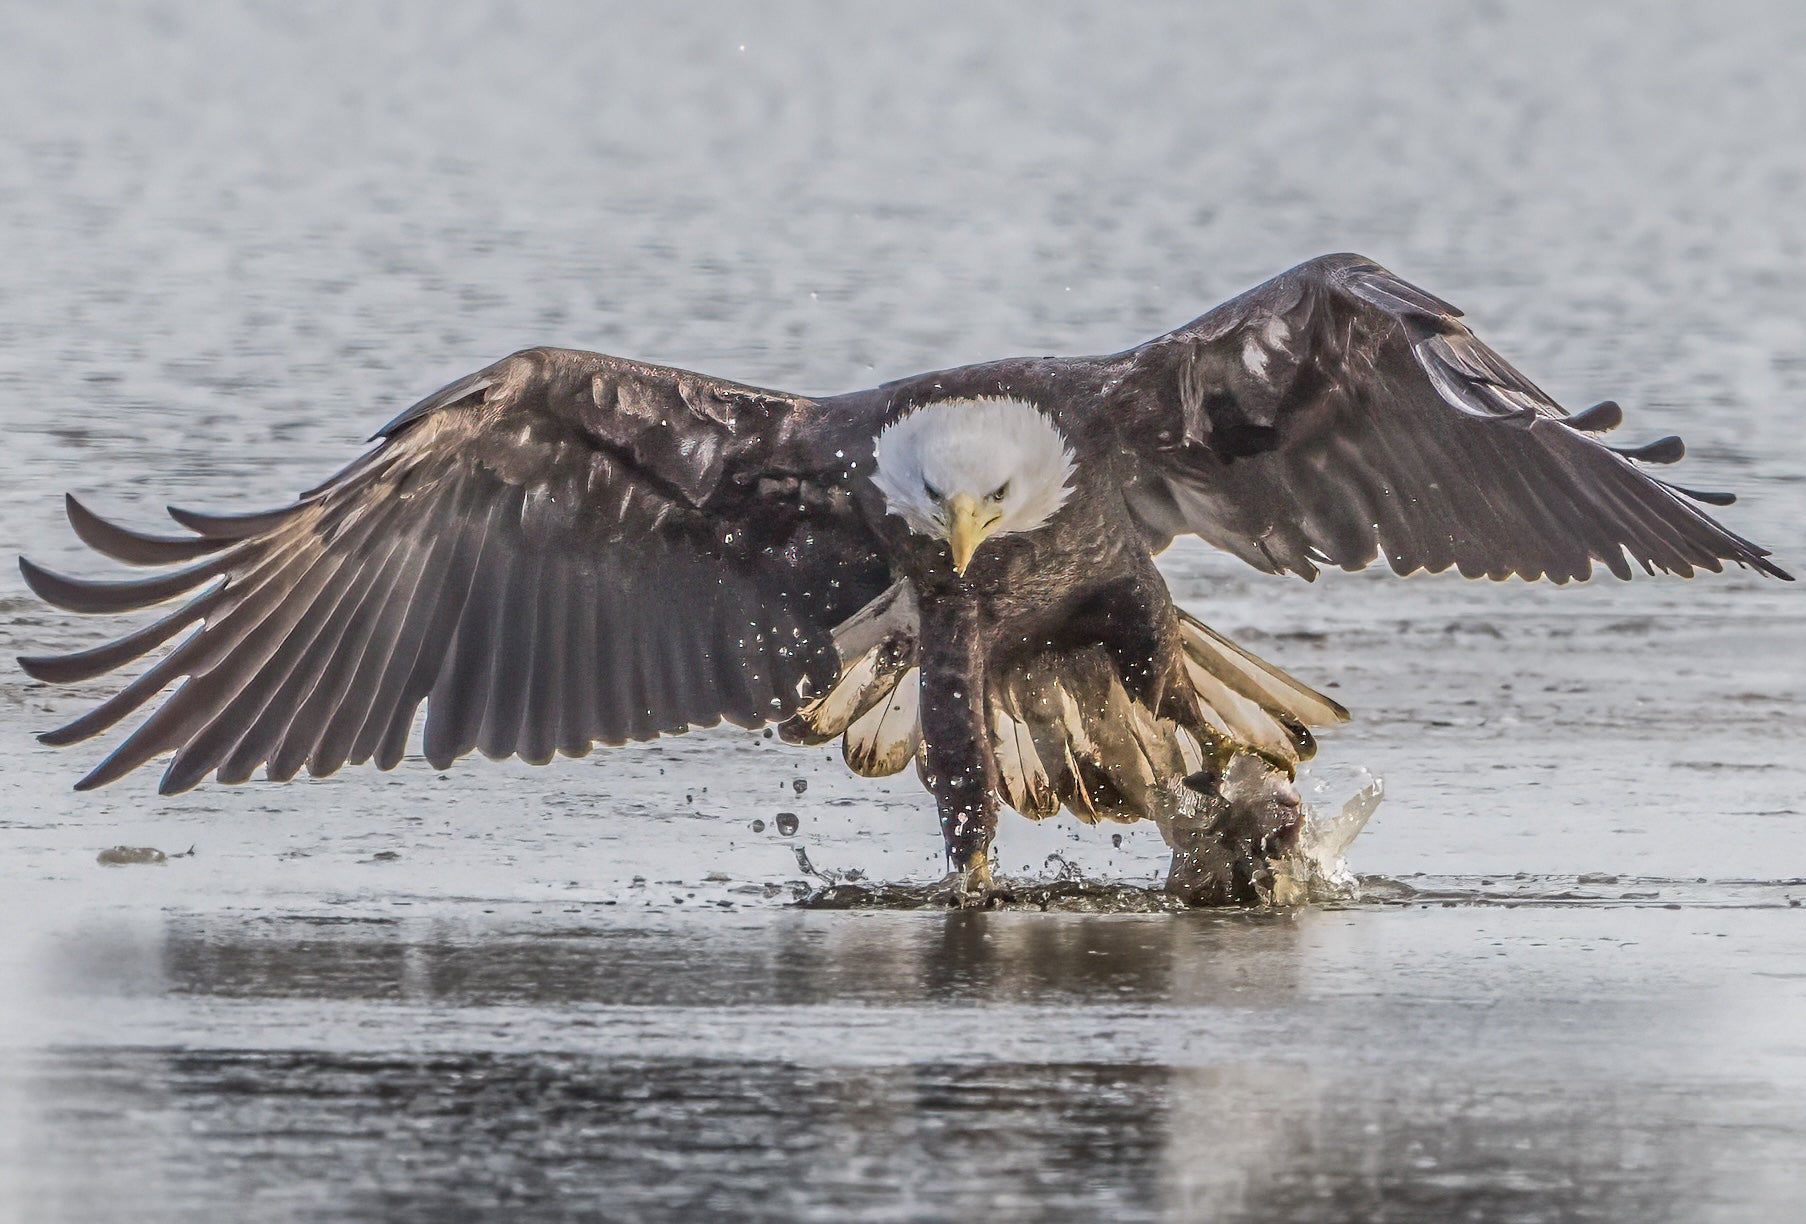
{"x": 236, "y": 236}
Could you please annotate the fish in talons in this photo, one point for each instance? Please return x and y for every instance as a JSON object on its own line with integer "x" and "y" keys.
{"x": 1245, "y": 836}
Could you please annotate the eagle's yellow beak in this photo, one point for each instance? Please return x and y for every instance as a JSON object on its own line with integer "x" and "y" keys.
{"x": 968, "y": 523}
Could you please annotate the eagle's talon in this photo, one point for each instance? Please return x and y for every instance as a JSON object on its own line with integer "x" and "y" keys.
{"x": 971, "y": 887}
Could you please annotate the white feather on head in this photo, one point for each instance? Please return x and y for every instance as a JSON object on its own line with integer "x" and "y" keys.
{"x": 1003, "y": 453}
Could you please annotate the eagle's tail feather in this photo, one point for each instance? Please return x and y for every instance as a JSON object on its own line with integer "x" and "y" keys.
{"x": 1064, "y": 730}
{"x": 1255, "y": 679}
{"x": 873, "y": 707}
{"x": 887, "y": 736}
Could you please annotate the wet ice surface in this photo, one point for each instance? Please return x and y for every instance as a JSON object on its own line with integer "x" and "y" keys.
{"x": 1426, "y": 1063}
{"x": 238, "y": 238}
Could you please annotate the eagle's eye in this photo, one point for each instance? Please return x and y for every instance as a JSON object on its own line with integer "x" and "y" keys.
{"x": 1000, "y": 492}
{"x": 934, "y": 494}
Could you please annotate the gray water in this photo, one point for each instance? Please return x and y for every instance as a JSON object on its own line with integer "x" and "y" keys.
{"x": 234, "y": 237}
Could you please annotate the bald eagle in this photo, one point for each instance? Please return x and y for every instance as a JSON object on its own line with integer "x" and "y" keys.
{"x": 955, "y": 569}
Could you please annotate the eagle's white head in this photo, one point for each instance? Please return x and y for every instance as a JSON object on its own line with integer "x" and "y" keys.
{"x": 965, "y": 470}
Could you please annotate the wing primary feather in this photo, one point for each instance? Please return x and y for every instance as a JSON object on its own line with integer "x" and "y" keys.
{"x": 133, "y": 547}
{"x": 147, "y": 685}
{"x": 1547, "y": 528}
{"x": 446, "y": 534}
{"x": 432, "y": 647}
{"x": 1703, "y": 543}
{"x": 310, "y": 651}
{"x": 1593, "y": 530}
{"x": 286, "y": 687}
{"x": 1663, "y": 450}
{"x": 658, "y": 646}
{"x": 235, "y": 526}
{"x": 511, "y": 662}
{"x": 98, "y": 660}
{"x": 1602, "y": 417}
{"x": 1650, "y": 538}
{"x": 1611, "y": 531}
{"x": 690, "y": 656}
{"x": 390, "y": 606}
{"x": 1433, "y": 544}
{"x": 635, "y": 700}
{"x": 294, "y": 747}
{"x": 460, "y": 690}
{"x": 576, "y": 734}
{"x": 1710, "y": 543}
{"x": 1575, "y": 529}
{"x": 611, "y": 679}
{"x": 127, "y": 595}
{"x": 246, "y": 607}
{"x": 542, "y": 715}
{"x": 737, "y": 703}
{"x": 1710, "y": 498}
{"x": 457, "y": 533}
{"x": 213, "y": 681}
{"x": 294, "y": 685}
{"x": 278, "y": 694}
{"x": 242, "y": 732}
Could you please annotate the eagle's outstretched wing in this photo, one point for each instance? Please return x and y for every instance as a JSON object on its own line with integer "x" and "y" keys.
{"x": 561, "y": 549}
{"x": 1337, "y": 414}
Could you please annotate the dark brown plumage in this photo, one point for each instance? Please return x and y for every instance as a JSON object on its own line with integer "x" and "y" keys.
{"x": 567, "y": 549}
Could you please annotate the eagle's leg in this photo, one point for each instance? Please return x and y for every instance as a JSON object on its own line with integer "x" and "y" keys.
{"x": 1239, "y": 814}
{"x": 1135, "y": 622}
{"x": 960, "y": 768}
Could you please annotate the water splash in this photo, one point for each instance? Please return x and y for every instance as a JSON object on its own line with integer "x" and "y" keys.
{"x": 1215, "y": 865}
{"x": 1316, "y": 869}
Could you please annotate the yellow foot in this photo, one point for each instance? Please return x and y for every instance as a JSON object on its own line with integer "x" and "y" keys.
{"x": 977, "y": 876}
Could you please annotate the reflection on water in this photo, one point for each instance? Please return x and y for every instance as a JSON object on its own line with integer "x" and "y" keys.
{"x": 434, "y": 1138}
{"x": 793, "y": 960}
{"x": 1242, "y": 1066}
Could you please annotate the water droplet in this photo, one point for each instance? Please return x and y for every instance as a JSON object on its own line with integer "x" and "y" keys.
{"x": 787, "y": 823}
{"x": 799, "y": 785}
{"x": 758, "y": 826}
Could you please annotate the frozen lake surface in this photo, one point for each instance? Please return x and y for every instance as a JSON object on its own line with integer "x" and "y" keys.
{"x": 239, "y": 237}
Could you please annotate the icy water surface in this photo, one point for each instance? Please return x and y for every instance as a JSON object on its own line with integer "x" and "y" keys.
{"x": 237, "y": 237}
